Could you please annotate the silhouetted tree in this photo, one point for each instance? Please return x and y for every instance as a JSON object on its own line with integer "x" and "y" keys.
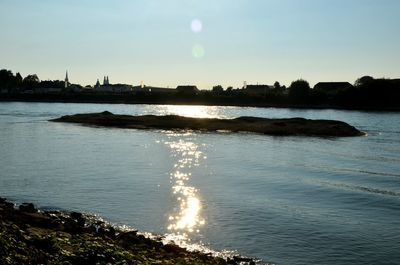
{"x": 7, "y": 80}
{"x": 217, "y": 89}
{"x": 18, "y": 78}
{"x": 363, "y": 80}
{"x": 5, "y": 75}
{"x": 299, "y": 91}
{"x": 277, "y": 85}
{"x": 318, "y": 97}
{"x": 371, "y": 93}
{"x": 52, "y": 84}
{"x": 30, "y": 81}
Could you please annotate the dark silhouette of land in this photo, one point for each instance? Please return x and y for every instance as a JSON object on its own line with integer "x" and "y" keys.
{"x": 367, "y": 93}
{"x": 294, "y": 126}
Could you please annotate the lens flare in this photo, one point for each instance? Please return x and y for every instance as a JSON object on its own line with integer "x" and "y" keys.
{"x": 196, "y": 25}
{"x": 198, "y": 51}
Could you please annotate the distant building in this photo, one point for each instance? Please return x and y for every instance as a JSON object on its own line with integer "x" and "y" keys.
{"x": 332, "y": 88}
{"x": 258, "y": 89}
{"x": 87, "y": 89}
{"x": 121, "y": 88}
{"x": 115, "y": 88}
{"x": 105, "y": 87}
{"x": 187, "y": 89}
{"x": 111, "y": 88}
{"x": 158, "y": 89}
{"x": 106, "y": 82}
{"x": 395, "y": 81}
{"x": 46, "y": 90}
{"x": 52, "y": 87}
{"x": 75, "y": 88}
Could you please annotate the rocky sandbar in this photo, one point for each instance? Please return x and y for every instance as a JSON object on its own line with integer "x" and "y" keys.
{"x": 291, "y": 126}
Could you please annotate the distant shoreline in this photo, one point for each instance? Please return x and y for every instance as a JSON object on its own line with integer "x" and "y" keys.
{"x": 367, "y": 93}
{"x": 158, "y": 99}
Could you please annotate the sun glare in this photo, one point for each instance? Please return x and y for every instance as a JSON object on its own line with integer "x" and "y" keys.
{"x": 187, "y": 218}
{"x": 190, "y": 111}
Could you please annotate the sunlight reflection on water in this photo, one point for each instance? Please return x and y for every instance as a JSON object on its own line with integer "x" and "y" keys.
{"x": 187, "y": 216}
{"x": 191, "y": 111}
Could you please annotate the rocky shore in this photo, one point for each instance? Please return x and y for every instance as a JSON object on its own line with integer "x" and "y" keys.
{"x": 293, "y": 126}
{"x": 31, "y": 236}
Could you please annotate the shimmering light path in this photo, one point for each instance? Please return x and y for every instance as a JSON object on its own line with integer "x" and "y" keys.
{"x": 187, "y": 215}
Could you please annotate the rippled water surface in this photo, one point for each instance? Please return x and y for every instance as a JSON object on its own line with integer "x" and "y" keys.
{"x": 288, "y": 200}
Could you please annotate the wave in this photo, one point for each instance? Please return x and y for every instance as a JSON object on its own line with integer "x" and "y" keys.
{"x": 363, "y": 189}
{"x": 370, "y": 172}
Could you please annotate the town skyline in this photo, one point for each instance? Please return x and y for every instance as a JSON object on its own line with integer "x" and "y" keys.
{"x": 201, "y": 42}
{"x": 105, "y": 81}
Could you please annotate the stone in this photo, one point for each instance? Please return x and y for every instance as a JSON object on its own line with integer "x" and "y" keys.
{"x": 27, "y": 208}
{"x": 78, "y": 217}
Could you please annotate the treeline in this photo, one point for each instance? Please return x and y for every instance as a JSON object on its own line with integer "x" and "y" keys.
{"x": 366, "y": 92}
{"x": 369, "y": 92}
{"x": 15, "y": 83}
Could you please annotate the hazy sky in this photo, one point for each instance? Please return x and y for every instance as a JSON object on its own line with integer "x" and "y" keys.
{"x": 258, "y": 41}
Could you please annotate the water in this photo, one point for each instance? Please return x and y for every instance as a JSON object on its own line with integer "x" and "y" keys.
{"x": 289, "y": 200}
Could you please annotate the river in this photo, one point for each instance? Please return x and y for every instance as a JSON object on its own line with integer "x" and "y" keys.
{"x": 286, "y": 200}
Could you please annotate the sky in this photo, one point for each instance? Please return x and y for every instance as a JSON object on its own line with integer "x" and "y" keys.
{"x": 201, "y": 42}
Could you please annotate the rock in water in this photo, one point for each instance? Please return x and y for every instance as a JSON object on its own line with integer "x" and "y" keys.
{"x": 27, "y": 208}
{"x": 292, "y": 126}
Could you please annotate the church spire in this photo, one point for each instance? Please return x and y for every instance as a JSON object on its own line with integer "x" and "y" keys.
{"x": 66, "y": 83}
